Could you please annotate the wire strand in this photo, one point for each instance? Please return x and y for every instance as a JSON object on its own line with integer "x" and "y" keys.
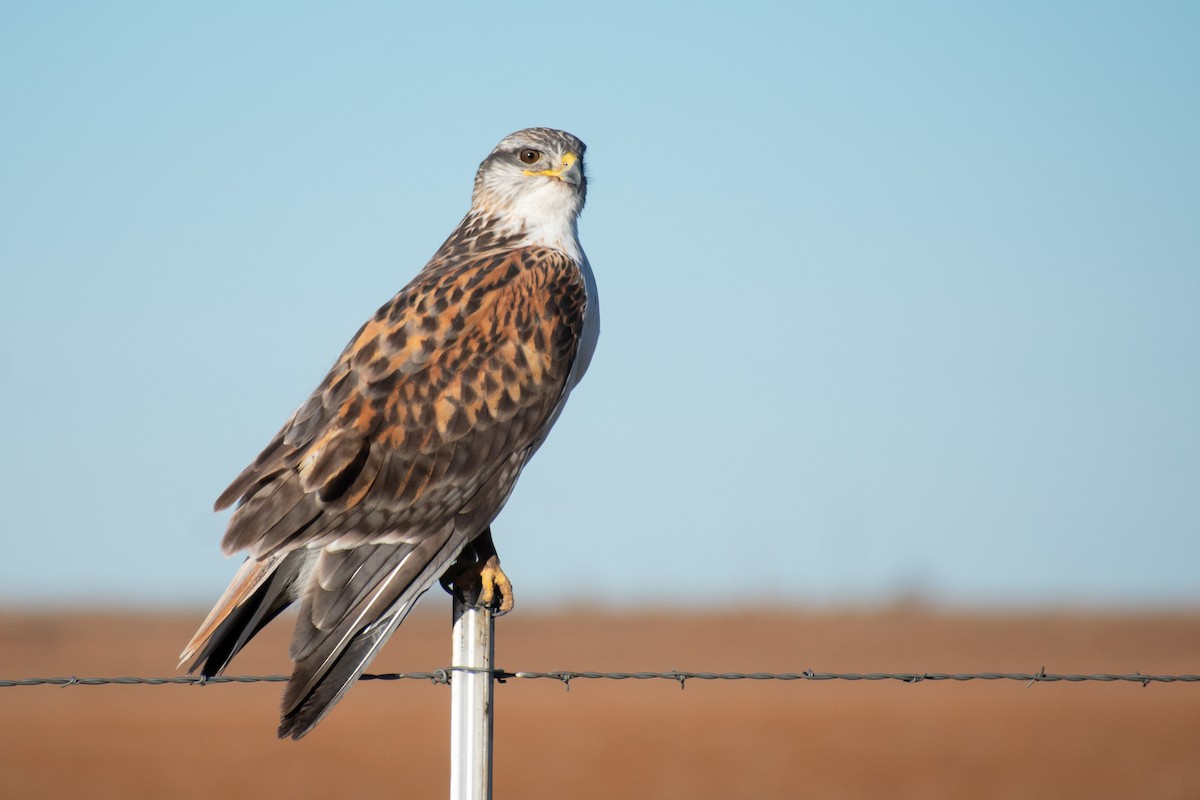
{"x": 444, "y": 676}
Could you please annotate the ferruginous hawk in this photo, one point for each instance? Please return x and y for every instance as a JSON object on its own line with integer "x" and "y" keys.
{"x": 389, "y": 476}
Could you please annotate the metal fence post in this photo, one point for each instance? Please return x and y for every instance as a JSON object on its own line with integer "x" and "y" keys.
{"x": 471, "y": 702}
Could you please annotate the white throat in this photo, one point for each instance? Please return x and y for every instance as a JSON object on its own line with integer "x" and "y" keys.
{"x": 544, "y": 215}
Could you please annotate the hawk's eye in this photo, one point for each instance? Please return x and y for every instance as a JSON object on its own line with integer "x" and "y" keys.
{"x": 530, "y": 156}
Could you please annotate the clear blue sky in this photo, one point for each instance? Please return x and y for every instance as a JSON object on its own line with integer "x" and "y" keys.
{"x": 898, "y": 298}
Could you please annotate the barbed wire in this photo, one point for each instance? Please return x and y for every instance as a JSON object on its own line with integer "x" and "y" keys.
{"x": 444, "y": 675}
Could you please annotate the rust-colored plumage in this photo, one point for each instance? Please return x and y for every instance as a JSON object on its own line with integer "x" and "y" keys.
{"x": 397, "y": 464}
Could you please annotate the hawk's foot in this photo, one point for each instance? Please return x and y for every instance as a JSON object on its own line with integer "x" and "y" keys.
{"x": 481, "y": 584}
{"x": 496, "y": 591}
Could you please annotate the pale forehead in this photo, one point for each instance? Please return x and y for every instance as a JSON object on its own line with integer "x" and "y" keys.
{"x": 541, "y": 139}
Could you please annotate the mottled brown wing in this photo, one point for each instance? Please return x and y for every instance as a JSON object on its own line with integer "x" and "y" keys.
{"x": 461, "y": 370}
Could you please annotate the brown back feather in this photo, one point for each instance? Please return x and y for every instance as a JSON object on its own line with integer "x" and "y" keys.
{"x": 456, "y": 373}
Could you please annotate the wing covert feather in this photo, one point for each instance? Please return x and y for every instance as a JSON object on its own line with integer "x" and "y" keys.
{"x": 457, "y": 372}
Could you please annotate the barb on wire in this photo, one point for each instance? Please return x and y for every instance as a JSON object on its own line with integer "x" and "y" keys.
{"x": 445, "y": 675}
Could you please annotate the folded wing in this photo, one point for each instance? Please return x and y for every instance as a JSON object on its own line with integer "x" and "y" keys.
{"x": 404, "y": 453}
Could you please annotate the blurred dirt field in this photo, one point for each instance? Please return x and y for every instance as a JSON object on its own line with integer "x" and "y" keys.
{"x": 608, "y": 739}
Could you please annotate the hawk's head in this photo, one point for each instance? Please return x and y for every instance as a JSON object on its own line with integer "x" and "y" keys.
{"x": 534, "y": 177}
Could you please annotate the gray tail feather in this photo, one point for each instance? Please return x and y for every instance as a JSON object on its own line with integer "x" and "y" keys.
{"x": 313, "y": 691}
{"x": 277, "y": 593}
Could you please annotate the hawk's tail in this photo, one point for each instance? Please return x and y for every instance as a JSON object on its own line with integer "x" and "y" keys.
{"x": 355, "y": 600}
{"x": 256, "y": 595}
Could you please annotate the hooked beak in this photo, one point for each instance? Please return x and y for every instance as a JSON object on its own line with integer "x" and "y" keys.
{"x": 567, "y": 172}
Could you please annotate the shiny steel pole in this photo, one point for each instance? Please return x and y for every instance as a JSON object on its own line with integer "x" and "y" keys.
{"x": 471, "y": 703}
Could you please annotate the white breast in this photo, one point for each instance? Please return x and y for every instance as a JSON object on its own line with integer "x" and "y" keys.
{"x": 591, "y": 326}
